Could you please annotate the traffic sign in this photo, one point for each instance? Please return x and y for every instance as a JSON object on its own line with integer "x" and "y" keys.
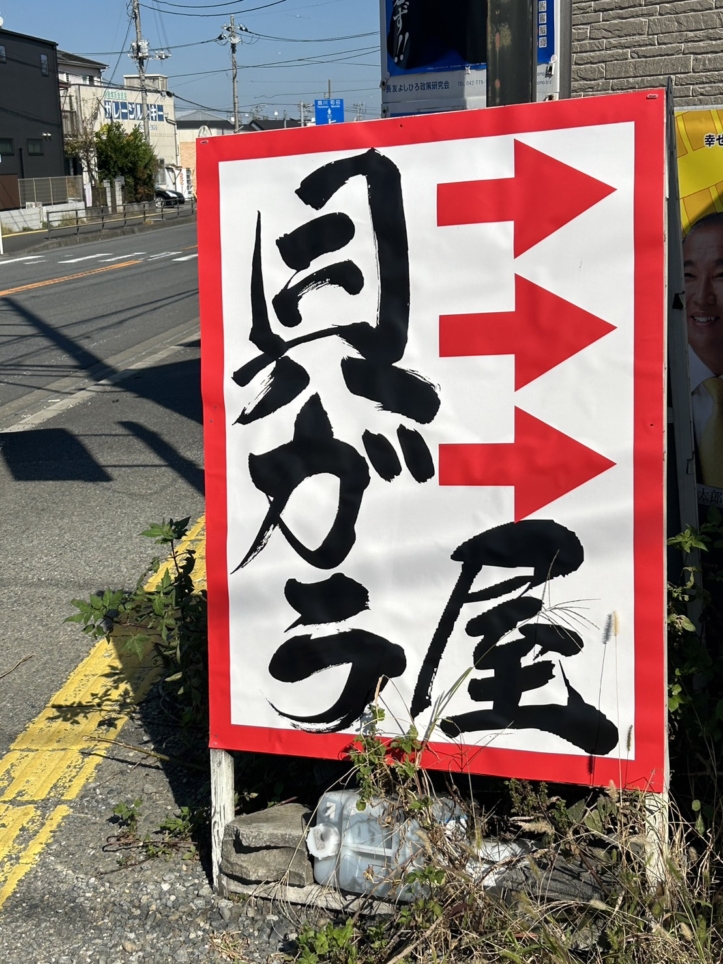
{"x": 329, "y": 111}
{"x": 435, "y": 419}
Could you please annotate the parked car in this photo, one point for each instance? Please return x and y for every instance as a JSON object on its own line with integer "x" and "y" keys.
{"x": 166, "y": 197}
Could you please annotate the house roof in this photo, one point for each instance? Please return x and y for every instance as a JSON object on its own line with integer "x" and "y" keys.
{"x": 195, "y": 118}
{"x": 27, "y": 36}
{"x": 263, "y": 124}
{"x": 67, "y": 58}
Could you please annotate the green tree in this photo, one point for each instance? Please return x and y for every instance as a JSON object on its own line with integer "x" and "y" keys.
{"x": 125, "y": 155}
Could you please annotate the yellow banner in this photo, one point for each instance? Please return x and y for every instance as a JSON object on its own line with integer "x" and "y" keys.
{"x": 699, "y": 134}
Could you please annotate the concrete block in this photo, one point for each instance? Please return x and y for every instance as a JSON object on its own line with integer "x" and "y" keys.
{"x": 693, "y": 35}
{"x": 711, "y": 45}
{"x": 660, "y": 50}
{"x": 626, "y": 12}
{"x": 584, "y": 88}
{"x": 268, "y": 846}
{"x": 638, "y": 83}
{"x": 613, "y": 43}
{"x": 709, "y": 91}
{"x": 614, "y": 6}
{"x": 281, "y": 826}
{"x": 649, "y": 67}
{"x": 620, "y": 28}
{"x": 578, "y": 19}
{"x": 600, "y": 56}
{"x": 585, "y": 46}
{"x": 707, "y": 20}
{"x": 579, "y": 35}
{"x": 266, "y": 864}
{"x": 697, "y": 80}
{"x": 589, "y": 71}
{"x": 669, "y": 7}
{"x": 708, "y": 62}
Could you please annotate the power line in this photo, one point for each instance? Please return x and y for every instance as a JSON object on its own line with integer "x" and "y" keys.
{"x": 193, "y": 6}
{"x": 314, "y": 40}
{"x": 175, "y": 13}
{"x": 112, "y": 53}
{"x": 339, "y": 56}
{"x": 120, "y": 54}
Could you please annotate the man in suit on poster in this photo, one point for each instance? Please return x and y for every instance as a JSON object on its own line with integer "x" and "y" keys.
{"x": 703, "y": 267}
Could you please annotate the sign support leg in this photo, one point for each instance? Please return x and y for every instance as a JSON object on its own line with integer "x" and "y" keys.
{"x": 657, "y": 823}
{"x": 222, "y": 806}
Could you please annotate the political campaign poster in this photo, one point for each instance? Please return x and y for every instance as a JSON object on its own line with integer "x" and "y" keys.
{"x": 433, "y": 381}
{"x": 699, "y": 136}
{"x": 434, "y": 54}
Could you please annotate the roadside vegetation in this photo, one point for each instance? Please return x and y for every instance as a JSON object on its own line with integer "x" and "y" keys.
{"x": 111, "y": 152}
{"x": 594, "y": 884}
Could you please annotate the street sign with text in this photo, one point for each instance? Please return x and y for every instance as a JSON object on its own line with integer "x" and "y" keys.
{"x": 329, "y": 111}
{"x": 433, "y": 378}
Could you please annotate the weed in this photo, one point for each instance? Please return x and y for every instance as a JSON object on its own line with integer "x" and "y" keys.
{"x": 332, "y": 944}
{"x": 127, "y": 815}
{"x": 171, "y": 618}
{"x": 177, "y": 834}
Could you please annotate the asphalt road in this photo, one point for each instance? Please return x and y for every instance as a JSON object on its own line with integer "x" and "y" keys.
{"x": 100, "y": 434}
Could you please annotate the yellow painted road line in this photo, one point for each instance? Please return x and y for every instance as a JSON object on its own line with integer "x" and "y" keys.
{"x": 67, "y": 277}
{"x": 54, "y": 757}
{"x": 30, "y": 855}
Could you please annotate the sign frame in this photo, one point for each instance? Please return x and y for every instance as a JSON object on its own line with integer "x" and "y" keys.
{"x": 646, "y": 110}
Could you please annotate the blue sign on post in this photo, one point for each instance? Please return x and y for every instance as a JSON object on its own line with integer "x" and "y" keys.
{"x": 329, "y": 111}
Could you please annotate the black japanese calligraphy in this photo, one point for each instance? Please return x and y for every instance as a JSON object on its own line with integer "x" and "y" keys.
{"x": 329, "y": 601}
{"x": 545, "y": 547}
{"x": 374, "y": 375}
{"x": 549, "y": 550}
{"x": 372, "y": 661}
{"x": 312, "y": 451}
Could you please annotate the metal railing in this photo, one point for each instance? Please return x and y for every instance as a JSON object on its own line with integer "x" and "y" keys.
{"x": 80, "y": 222}
{"x": 50, "y": 190}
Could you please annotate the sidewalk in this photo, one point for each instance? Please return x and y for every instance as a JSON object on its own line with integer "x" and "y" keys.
{"x": 73, "y": 887}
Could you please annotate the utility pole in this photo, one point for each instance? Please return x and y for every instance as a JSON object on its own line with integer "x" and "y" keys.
{"x": 329, "y": 91}
{"x": 234, "y": 40}
{"x": 303, "y": 107}
{"x": 139, "y": 53}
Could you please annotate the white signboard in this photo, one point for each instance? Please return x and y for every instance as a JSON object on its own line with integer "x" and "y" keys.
{"x": 433, "y": 388}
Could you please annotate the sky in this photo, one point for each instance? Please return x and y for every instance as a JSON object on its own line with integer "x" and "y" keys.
{"x": 286, "y": 56}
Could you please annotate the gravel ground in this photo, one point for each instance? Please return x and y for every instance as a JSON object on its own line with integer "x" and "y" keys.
{"x": 79, "y": 904}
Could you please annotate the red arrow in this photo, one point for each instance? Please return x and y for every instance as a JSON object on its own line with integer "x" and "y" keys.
{"x": 542, "y": 464}
{"x": 541, "y": 332}
{"x": 543, "y": 195}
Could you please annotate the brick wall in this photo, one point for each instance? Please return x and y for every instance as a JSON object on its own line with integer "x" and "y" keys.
{"x": 629, "y": 44}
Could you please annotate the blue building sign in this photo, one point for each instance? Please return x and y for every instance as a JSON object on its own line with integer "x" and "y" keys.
{"x": 329, "y": 111}
{"x": 434, "y": 54}
{"x": 124, "y": 111}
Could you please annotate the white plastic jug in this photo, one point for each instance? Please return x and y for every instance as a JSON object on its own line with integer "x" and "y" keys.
{"x": 369, "y": 851}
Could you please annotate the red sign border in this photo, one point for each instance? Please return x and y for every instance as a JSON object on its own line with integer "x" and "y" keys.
{"x": 646, "y": 110}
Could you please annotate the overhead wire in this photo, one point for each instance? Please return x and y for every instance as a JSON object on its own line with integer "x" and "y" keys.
{"x": 313, "y": 40}
{"x": 120, "y": 54}
{"x": 160, "y": 25}
{"x": 159, "y": 7}
{"x": 174, "y": 13}
{"x": 112, "y": 53}
{"x": 196, "y": 6}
